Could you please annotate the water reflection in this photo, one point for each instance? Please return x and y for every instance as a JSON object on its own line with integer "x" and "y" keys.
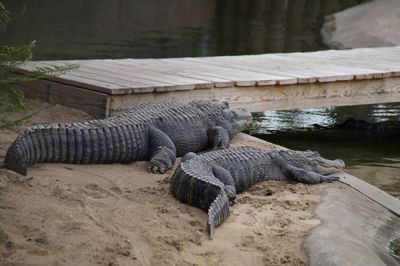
{"x": 302, "y": 119}
{"x": 374, "y": 157}
{"x": 68, "y": 29}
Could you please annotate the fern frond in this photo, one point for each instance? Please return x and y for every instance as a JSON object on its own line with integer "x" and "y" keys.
{"x": 9, "y": 79}
{"x": 13, "y": 56}
{"x": 12, "y": 99}
{"x": 5, "y": 124}
{"x": 52, "y": 71}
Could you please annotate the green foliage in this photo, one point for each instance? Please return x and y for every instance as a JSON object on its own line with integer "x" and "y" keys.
{"x": 5, "y": 17}
{"x": 11, "y": 59}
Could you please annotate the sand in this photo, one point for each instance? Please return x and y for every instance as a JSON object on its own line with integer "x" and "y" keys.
{"x": 373, "y": 24}
{"x": 64, "y": 214}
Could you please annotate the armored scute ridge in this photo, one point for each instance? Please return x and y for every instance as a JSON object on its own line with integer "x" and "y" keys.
{"x": 211, "y": 181}
{"x": 152, "y": 131}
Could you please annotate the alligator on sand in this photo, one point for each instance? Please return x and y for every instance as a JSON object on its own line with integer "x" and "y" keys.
{"x": 211, "y": 181}
{"x": 152, "y": 131}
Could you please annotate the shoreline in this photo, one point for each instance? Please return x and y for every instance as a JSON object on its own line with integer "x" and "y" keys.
{"x": 372, "y": 24}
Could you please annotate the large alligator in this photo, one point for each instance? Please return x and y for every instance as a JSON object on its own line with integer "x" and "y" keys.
{"x": 152, "y": 131}
{"x": 211, "y": 181}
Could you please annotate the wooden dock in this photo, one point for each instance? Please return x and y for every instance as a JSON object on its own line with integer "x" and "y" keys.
{"x": 257, "y": 82}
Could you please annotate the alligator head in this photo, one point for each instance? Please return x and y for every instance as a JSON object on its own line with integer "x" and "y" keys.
{"x": 237, "y": 119}
{"x": 320, "y": 165}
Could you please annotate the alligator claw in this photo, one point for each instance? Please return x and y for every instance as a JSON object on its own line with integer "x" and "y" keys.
{"x": 331, "y": 178}
{"x": 159, "y": 167}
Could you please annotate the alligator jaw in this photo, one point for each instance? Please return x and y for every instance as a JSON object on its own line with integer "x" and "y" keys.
{"x": 326, "y": 167}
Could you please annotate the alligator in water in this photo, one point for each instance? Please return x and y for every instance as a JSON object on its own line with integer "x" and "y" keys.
{"x": 152, "y": 131}
{"x": 211, "y": 181}
{"x": 355, "y": 125}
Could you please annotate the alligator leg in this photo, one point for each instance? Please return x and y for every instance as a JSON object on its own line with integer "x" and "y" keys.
{"x": 229, "y": 183}
{"x": 162, "y": 151}
{"x": 304, "y": 176}
{"x": 219, "y": 138}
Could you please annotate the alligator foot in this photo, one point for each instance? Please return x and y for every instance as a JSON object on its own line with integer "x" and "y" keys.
{"x": 162, "y": 160}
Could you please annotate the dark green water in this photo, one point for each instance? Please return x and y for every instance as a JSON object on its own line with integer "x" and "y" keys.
{"x": 374, "y": 157}
{"x": 87, "y": 29}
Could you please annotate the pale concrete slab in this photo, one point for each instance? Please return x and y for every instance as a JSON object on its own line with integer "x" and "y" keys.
{"x": 354, "y": 230}
{"x": 373, "y": 24}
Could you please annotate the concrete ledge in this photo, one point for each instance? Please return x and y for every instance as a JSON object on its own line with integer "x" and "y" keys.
{"x": 354, "y": 230}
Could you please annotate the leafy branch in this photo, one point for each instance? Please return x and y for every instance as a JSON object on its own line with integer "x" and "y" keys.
{"x": 11, "y": 59}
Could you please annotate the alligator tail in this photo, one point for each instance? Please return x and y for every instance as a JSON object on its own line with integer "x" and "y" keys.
{"x": 34, "y": 145}
{"x": 77, "y": 143}
{"x": 218, "y": 212}
{"x": 15, "y": 158}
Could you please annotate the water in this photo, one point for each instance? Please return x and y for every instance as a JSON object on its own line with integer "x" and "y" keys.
{"x": 374, "y": 157}
{"x": 88, "y": 29}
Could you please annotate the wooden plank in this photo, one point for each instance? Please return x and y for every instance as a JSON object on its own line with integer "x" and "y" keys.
{"x": 356, "y": 63}
{"x": 243, "y": 77}
{"x": 245, "y": 63}
{"x": 271, "y": 66}
{"x": 368, "y": 60}
{"x": 108, "y": 70}
{"x": 124, "y": 86}
{"x": 160, "y": 83}
{"x": 86, "y": 79}
{"x": 76, "y": 80}
{"x": 181, "y": 68}
{"x": 94, "y": 103}
{"x": 177, "y": 69}
{"x": 323, "y": 71}
{"x": 105, "y": 72}
{"x": 205, "y": 71}
{"x": 153, "y": 74}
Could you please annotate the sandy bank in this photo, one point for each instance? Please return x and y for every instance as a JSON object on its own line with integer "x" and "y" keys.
{"x": 373, "y": 24}
{"x": 62, "y": 214}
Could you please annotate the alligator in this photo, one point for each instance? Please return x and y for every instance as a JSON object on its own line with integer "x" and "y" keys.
{"x": 210, "y": 181}
{"x": 158, "y": 132}
{"x": 355, "y": 125}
